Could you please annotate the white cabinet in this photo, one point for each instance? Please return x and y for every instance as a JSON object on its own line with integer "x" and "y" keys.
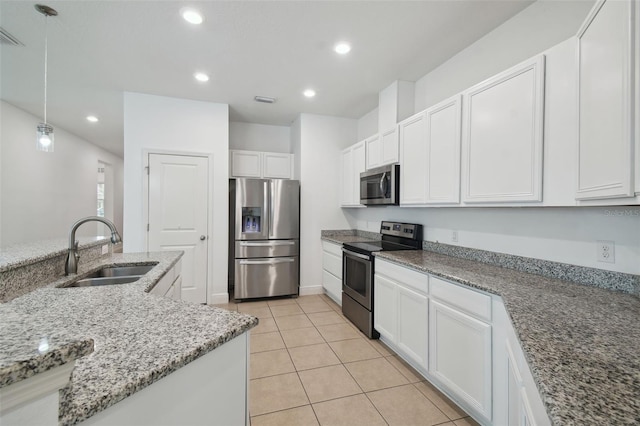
{"x": 255, "y": 164}
{"x": 353, "y": 161}
{"x": 502, "y": 136}
{"x": 607, "y": 64}
{"x": 170, "y": 285}
{"x": 382, "y": 148}
{"x": 460, "y": 335}
{"x": 413, "y": 154}
{"x": 401, "y": 311}
{"x": 332, "y": 270}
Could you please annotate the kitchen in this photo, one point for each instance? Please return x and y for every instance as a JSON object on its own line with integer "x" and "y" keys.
{"x": 561, "y": 234}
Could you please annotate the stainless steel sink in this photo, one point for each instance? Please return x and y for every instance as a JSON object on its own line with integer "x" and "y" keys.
{"x": 112, "y": 275}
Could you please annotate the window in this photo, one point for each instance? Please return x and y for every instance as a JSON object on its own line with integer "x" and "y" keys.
{"x": 100, "y": 207}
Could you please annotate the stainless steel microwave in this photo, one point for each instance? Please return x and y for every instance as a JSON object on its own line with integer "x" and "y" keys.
{"x": 380, "y": 186}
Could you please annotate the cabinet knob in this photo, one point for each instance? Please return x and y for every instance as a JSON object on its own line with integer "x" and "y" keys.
{"x": 202, "y": 237}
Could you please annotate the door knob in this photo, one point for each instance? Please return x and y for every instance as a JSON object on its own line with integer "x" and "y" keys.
{"x": 202, "y": 237}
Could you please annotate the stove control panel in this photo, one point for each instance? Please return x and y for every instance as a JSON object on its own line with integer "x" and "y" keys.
{"x": 412, "y": 231}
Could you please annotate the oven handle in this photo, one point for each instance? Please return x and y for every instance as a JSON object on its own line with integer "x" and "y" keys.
{"x": 350, "y": 253}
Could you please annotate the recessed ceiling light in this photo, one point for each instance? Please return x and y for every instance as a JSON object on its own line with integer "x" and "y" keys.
{"x": 92, "y": 118}
{"x": 342, "y": 48}
{"x": 200, "y": 76}
{"x": 309, "y": 93}
{"x": 192, "y": 16}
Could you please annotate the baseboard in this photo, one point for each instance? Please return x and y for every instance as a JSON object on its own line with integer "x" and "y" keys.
{"x": 308, "y": 290}
{"x": 218, "y": 299}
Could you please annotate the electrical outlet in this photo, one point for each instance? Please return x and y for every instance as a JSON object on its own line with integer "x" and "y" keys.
{"x": 454, "y": 236}
{"x": 606, "y": 251}
{"x": 105, "y": 249}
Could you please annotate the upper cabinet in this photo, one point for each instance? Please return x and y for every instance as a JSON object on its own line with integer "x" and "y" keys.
{"x": 413, "y": 155}
{"x": 353, "y": 161}
{"x": 608, "y": 118}
{"x": 374, "y": 152}
{"x": 255, "y": 164}
{"x": 502, "y": 136}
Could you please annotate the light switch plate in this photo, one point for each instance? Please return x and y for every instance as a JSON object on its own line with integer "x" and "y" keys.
{"x": 105, "y": 249}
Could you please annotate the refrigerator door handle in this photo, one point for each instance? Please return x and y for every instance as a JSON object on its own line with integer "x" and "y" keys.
{"x": 266, "y": 243}
{"x": 267, "y": 261}
{"x": 271, "y": 209}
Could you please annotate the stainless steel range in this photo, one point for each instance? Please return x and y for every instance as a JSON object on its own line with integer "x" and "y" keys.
{"x": 358, "y": 268}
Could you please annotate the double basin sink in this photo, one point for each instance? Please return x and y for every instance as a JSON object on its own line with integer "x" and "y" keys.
{"x": 110, "y": 275}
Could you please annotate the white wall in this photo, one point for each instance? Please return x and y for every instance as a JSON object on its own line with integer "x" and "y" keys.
{"x": 565, "y": 235}
{"x": 322, "y": 138}
{"x": 296, "y": 147}
{"x": 368, "y": 124}
{"x": 179, "y": 125}
{"x": 259, "y": 137}
{"x": 44, "y": 193}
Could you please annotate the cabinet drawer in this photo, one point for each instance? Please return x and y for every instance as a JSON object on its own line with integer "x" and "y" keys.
{"x": 470, "y": 301}
{"x": 332, "y": 248}
{"x": 332, "y": 285}
{"x": 412, "y": 279}
{"x": 332, "y": 263}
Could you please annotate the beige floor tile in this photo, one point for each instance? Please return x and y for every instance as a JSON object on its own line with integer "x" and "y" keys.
{"x": 374, "y": 374}
{"x": 260, "y": 312}
{"x": 266, "y": 325}
{"x": 228, "y": 306}
{"x": 301, "y": 337}
{"x": 266, "y": 342}
{"x": 282, "y": 310}
{"x": 405, "y": 369}
{"x": 311, "y": 298}
{"x": 280, "y": 302}
{"x": 301, "y": 416}
{"x": 354, "y": 350}
{"x": 290, "y": 322}
{"x": 381, "y": 347}
{"x": 445, "y": 405}
{"x": 271, "y": 363}
{"x": 318, "y": 306}
{"x": 313, "y": 356}
{"x": 336, "y": 332}
{"x": 327, "y": 383}
{"x": 466, "y": 421}
{"x": 276, "y": 393}
{"x": 326, "y": 318}
{"x": 406, "y": 406}
{"x": 352, "y": 411}
{"x": 260, "y": 304}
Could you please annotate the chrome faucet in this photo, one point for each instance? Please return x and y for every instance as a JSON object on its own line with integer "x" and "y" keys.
{"x": 71, "y": 266}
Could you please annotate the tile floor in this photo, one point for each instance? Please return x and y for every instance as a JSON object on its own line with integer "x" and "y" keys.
{"x": 311, "y": 366}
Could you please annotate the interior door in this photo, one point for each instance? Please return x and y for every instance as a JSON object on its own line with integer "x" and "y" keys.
{"x": 178, "y": 212}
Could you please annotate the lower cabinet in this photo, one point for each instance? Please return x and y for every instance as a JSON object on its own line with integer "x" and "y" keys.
{"x": 460, "y": 355}
{"x": 459, "y": 339}
{"x": 332, "y": 270}
{"x": 170, "y": 285}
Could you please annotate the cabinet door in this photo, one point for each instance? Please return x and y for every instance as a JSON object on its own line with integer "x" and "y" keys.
{"x": 502, "y": 136}
{"x": 347, "y": 178}
{"x": 413, "y": 320}
{"x": 385, "y": 312}
{"x": 443, "y": 152}
{"x": 246, "y": 164}
{"x": 413, "y": 156}
{"x": 605, "y": 149}
{"x": 359, "y": 166}
{"x": 277, "y": 166}
{"x": 374, "y": 152}
{"x": 460, "y": 355}
{"x": 389, "y": 146}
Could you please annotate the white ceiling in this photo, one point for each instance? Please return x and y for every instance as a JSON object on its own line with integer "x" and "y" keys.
{"x": 99, "y": 49}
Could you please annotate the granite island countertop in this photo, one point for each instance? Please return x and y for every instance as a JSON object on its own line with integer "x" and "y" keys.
{"x": 136, "y": 337}
{"x": 582, "y": 343}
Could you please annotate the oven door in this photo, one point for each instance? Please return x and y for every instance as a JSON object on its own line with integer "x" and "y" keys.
{"x": 357, "y": 279}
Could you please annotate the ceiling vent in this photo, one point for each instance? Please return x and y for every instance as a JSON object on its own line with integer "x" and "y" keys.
{"x": 6, "y": 38}
{"x": 264, "y": 99}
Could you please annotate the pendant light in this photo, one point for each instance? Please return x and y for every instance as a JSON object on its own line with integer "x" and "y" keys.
{"x": 44, "y": 133}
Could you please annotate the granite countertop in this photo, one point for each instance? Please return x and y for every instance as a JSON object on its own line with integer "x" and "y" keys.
{"x": 582, "y": 343}
{"x": 349, "y": 236}
{"x": 136, "y": 337}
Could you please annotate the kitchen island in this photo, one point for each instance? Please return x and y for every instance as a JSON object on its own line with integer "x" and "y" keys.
{"x": 123, "y": 338}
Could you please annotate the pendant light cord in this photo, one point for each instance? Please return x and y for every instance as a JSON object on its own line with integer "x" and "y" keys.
{"x": 46, "y": 43}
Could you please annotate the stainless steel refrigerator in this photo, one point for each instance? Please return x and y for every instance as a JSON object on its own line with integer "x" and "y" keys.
{"x": 264, "y": 238}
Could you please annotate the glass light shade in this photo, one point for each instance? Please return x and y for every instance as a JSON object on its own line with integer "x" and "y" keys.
{"x": 44, "y": 138}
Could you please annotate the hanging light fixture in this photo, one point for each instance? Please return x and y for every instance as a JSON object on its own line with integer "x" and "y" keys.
{"x": 44, "y": 133}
